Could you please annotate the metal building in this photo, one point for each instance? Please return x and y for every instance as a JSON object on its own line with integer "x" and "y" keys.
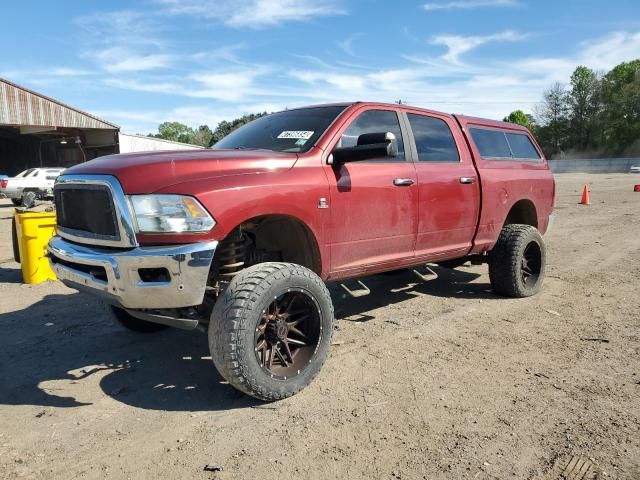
{"x": 38, "y": 131}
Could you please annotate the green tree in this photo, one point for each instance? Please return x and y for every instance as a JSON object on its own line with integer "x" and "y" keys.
{"x": 553, "y": 116}
{"x": 599, "y": 113}
{"x": 583, "y": 106}
{"x": 202, "y": 136}
{"x": 621, "y": 109}
{"x": 520, "y": 118}
{"x": 224, "y": 128}
{"x": 174, "y": 131}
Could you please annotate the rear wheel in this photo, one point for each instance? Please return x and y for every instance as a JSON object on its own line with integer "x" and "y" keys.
{"x": 16, "y": 201}
{"x": 270, "y": 331}
{"x": 517, "y": 262}
{"x": 132, "y": 323}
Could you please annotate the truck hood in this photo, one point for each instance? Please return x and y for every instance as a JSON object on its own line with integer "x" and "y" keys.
{"x": 148, "y": 172}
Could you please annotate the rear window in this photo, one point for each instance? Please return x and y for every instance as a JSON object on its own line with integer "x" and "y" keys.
{"x": 521, "y": 146}
{"x": 503, "y": 145}
{"x": 491, "y": 143}
{"x": 434, "y": 140}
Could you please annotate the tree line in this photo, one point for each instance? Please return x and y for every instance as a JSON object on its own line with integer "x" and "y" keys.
{"x": 595, "y": 115}
{"x": 203, "y": 135}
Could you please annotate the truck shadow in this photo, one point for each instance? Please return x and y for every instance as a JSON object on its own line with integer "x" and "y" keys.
{"x": 55, "y": 352}
{"x": 399, "y": 286}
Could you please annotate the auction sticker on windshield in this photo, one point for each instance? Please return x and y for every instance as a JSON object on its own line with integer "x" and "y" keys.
{"x": 296, "y": 134}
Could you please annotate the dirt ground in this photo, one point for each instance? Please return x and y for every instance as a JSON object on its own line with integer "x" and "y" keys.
{"x": 425, "y": 380}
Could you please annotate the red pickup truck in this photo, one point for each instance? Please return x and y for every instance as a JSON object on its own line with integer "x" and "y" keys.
{"x": 239, "y": 240}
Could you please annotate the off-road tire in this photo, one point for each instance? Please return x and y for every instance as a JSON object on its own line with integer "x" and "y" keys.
{"x": 236, "y": 315}
{"x": 132, "y": 323}
{"x": 16, "y": 201}
{"x": 506, "y": 261}
{"x": 14, "y": 240}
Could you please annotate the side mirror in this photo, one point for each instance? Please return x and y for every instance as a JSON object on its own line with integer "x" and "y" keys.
{"x": 368, "y": 147}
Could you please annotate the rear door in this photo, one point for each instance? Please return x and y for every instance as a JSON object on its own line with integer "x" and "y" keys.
{"x": 448, "y": 186}
{"x": 513, "y": 169}
{"x": 373, "y": 203}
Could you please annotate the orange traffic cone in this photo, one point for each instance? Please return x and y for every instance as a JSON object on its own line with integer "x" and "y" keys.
{"x": 585, "y": 196}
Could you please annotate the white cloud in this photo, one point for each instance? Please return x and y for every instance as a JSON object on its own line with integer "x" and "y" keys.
{"x": 121, "y": 27}
{"x": 252, "y": 13}
{"x": 69, "y": 72}
{"x": 345, "y": 82}
{"x": 147, "y": 86}
{"x": 120, "y": 59}
{"x": 224, "y": 53}
{"x": 347, "y": 44}
{"x": 611, "y": 50}
{"x": 488, "y": 88}
{"x": 457, "y": 44}
{"x": 601, "y": 54}
{"x": 469, "y": 4}
{"x": 226, "y": 81}
{"x": 227, "y": 86}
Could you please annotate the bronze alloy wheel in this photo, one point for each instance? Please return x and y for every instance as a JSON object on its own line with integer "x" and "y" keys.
{"x": 270, "y": 330}
{"x": 288, "y": 333}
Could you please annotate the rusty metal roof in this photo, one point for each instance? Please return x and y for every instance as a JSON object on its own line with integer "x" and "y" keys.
{"x": 21, "y": 106}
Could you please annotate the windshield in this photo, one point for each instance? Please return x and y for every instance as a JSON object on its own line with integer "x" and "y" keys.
{"x": 288, "y": 131}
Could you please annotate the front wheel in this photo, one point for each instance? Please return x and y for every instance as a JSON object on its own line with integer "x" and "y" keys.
{"x": 16, "y": 201}
{"x": 517, "y": 262}
{"x": 270, "y": 331}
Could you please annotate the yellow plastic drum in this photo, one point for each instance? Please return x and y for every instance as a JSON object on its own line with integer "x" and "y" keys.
{"x": 34, "y": 229}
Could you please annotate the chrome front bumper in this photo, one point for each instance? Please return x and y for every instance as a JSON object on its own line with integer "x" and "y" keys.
{"x": 115, "y": 274}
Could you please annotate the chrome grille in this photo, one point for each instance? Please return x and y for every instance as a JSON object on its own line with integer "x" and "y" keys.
{"x": 93, "y": 209}
{"x": 87, "y": 210}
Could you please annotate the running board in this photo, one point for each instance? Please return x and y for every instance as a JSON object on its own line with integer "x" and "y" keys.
{"x": 182, "y": 323}
{"x": 426, "y": 276}
{"x": 361, "y": 292}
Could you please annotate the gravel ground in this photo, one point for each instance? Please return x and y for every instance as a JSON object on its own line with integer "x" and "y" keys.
{"x": 425, "y": 380}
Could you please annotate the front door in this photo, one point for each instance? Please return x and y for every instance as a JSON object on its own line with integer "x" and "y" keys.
{"x": 373, "y": 203}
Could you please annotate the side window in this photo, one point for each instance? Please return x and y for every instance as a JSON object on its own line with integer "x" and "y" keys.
{"x": 374, "y": 121}
{"x": 434, "y": 140}
{"x": 491, "y": 143}
{"x": 521, "y": 146}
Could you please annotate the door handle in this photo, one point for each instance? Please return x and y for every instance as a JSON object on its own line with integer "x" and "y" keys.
{"x": 403, "y": 182}
{"x": 467, "y": 179}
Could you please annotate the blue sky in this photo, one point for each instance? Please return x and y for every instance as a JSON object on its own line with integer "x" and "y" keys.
{"x": 138, "y": 63}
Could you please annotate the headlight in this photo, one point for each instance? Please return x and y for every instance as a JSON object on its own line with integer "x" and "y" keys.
{"x": 170, "y": 214}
